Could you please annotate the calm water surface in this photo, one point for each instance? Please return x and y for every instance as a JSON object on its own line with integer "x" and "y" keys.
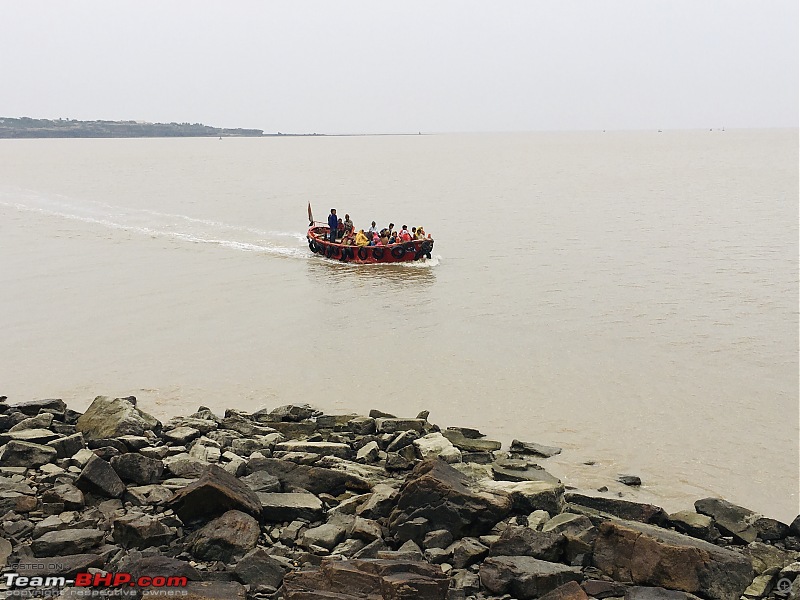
{"x": 630, "y": 297}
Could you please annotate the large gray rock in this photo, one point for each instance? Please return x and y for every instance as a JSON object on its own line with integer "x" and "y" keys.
{"x": 25, "y": 454}
{"x": 99, "y": 478}
{"x": 730, "y": 519}
{"x": 437, "y": 492}
{"x": 528, "y": 496}
{"x": 215, "y": 492}
{"x": 520, "y": 470}
{"x": 649, "y": 555}
{"x": 34, "y": 407}
{"x": 111, "y": 418}
{"x": 694, "y": 524}
{"x": 280, "y": 507}
{"x": 137, "y": 468}
{"x": 622, "y": 509}
{"x": 225, "y": 538}
{"x": 317, "y": 480}
{"x": 67, "y": 446}
{"x": 141, "y": 531}
{"x": 524, "y": 541}
{"x": 67, "y": 541}
{"x": 524, "y": 577}
{"x": 534, "y": 449}
{"x": 259, "y": 568}
{"x": 41, "y": 421}
{"x": 66, "y": 494}
{"x": 469, "y": 444}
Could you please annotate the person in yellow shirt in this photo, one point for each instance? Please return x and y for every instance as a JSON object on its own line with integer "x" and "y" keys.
{"x": 361, "y": 239}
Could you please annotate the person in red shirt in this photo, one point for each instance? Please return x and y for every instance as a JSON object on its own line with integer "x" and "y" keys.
{"x": 404, "y": 235}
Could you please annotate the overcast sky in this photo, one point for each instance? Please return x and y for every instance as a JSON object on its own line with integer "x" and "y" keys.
{"x": 390, "y": 66}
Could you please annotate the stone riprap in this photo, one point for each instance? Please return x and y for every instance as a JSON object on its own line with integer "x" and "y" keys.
{"x": 289, "y": 503}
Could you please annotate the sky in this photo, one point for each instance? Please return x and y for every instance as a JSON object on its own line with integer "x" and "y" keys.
{"x": 384, "y": 66}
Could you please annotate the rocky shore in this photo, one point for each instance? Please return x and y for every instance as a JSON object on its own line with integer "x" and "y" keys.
{"x": 295, "y": 504}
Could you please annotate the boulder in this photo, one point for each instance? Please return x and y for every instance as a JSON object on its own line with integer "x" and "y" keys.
{"x": 34, "y": 407}
{"x": 469, "y": 444}
{"x": 524, "y": 577}
{"x": 111, "y": 418}
{"x": 648, "y": 555}
{"x": 137, "y": 468}
{"x": 288, "y": 412}
{"x": 316, "y": 480}
{"x": 40, "y": 421}
{"x": 730, "y": 519}
{"x": 280, "y": 507}
{"x": 435, "y": 444}
{"x": 569, "y": 591}
{"x": 393, "y": 425}
{"x": 36, "y": 436}
{"x": 534, "y": 449}
{"x": 261, "y": 481}
{"x": 181, "y": 436}
{"x": 67, "y": 494}
{"x": 68, "y": 446}
{"x": 529, "y": 496}
{"x": 141, "y": 531}
{"x": 327, "y": 535}
{"x": 694, "y": 524}
{"x": 622, "y": 509}
{"x": 259, "y": 568}
{"x": 467, "y": 551}
{"x": 322, "y": 448}
{"x": 524, "y": 541}
{"x": 99, "y": 478}
{"x": 437, "y": 492}
{"x": 216, "y": 491}
{"x": 637, "y": 592}
{"x": 519, "y": 470}
{"x": 66, "y": 541}
{"x": 25, "y": 454}
{"x": 225, "y": 538}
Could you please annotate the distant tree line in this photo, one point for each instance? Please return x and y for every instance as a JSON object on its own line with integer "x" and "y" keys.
{"x": 26, "y": 127}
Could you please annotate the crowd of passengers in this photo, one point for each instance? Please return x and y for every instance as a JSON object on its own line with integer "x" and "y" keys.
{"x": 346, "y": 234}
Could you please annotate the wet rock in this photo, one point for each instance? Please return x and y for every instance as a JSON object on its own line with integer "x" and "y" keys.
{"x": 524, "y": 541}
{"x": 227, "y": 537}
{"x": 25, "y": 454}
{"x": 214, "y": 492}
{"x": 111, "y": 418}
{"x": 99, "y": 478}
{"x": 137, "y": 468}
{"x": 141, "y": 531}
{"x": 729, "y": 518}
{"x": 534, "y": 449}
{"x": 279, "y": 507}
{"x": 259, "y": 568}
{"x": 630, "y": 480}
{"x": 514, "y": 470}
{"x": 649, "y": 555}
{"x": 437, "y": 492}
{"x": 67, "y": 541}
{"x": 622, "y": 509}
{"x": 468, "y": 443}
{"x": 524, "y": 577}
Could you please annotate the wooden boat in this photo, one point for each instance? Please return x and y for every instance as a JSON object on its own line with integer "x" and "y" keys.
{"x": 318, "y": 242}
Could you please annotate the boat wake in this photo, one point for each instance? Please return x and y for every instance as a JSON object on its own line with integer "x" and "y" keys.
{"x": 155, "y": 224}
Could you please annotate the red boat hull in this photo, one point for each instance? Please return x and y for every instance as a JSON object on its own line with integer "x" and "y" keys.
{"x": 395, "y": 253}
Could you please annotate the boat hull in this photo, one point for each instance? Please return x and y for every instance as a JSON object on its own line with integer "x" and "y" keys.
{"x": 395, "y": 253}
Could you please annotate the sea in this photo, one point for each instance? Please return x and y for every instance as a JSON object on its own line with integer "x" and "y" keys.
{"x": 630, "y": 297}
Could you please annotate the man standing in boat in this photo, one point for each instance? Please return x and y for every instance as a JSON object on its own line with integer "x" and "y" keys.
{"x": 333, "y": 224}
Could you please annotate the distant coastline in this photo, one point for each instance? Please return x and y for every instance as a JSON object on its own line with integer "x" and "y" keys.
{"x": 26, "y": 127}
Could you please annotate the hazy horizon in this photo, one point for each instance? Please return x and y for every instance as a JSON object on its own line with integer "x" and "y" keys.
{"x": 364, "y": 68}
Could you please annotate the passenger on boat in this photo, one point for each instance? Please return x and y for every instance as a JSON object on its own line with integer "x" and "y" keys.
{"x": 384, "y": 237}
{"x": 349, "y": 238}
{"x": 373, "y": 229}
{"x": 404, "y": 235}
{"x": 361, "y": 239}
{"x": 413, "y": 233}
{"x": 420, "y": 233}
{"x": 376, "y": 239}
{"x": 340, "y": 228}
{"x": 391, "y": 229}
{"x": 333, "y": 225}
{"x": 348, "y": 224}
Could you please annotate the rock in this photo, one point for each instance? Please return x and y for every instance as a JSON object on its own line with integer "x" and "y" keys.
{"x": 368, "y": 453}
{"x": 181, "y": 435}
{"x": 5, "y": 552}
{"x": 794, "y": 528}
{"x": 68, "y": 446}
{"x": 327, "y": 535}
{"x": 322, "y": 448}
{"x": 40, "y": 421}
{"x": 768, "y": 559}
{"x": 524, "y": 541}
{"x": 261, "y": 481}
{"x": 225, "y": 538}
{"x": 437, "y": 492}
{"x": 631, "y": 480}
{"x": 368, "y": 579}
{"x": 137, "y": 468}
{"x": 507, "y": 470}
{"x": 394, "y": 425}
{"x": 290, "y": 412}
{"x": 67, "y": 494}
{"x": 67, "y": 541}
{"x": 99, "y": 478}
{"x": 622, "y": 509}
{"x": 440, "y": 538}
{"x": 469, "y": 444}
{"x": 66, "y": 566}
{"x": 578, "y": 532}
{"x": 649, "y": 555}
{"x": 695, "y": 525}
{"x": 259, "y": 568}
{"x": 316, "y": 480}
{"x": 537, "y": 519}
{"x": 245, "y": 426}
{"x": 435, "y": 444}
{"x": 729, "y": 518}
{"x": 529, "y": 496}
{"x": 569, "y": 591}
{"x": 770, "y": 530}
{"x": 600, "y": 589}
{"x": 25, "y": 454}
{"x": 379, "y": 503}
{"x": 184, "y": 465}
{"x": 467, "y": 551}
{"x": 158, "y": 566}
{"x": 279, "y": 507}
{"x": 365, "y": 529}
{"x": 534, "y": 449}
{"x": 111, "y": 418}
{"x": 656, "y": 593}
{"x": 524, "y": 577}
{"x": 36, "y": 436}
{"x": 403, "y": 439}
{"x": 34, "y": 407}
{"x": 361, "y": 425}
{"x": 215, "y": 492}
{"x": 203, "y": 425}
{"x": 203, "y": 590}
{"x": 141, "y": 531}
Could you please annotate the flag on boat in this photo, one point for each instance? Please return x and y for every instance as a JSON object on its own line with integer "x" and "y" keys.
{"x": 310, "y": 216}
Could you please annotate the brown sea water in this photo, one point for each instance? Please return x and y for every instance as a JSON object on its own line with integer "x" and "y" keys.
{"x": 630, "y": 297}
